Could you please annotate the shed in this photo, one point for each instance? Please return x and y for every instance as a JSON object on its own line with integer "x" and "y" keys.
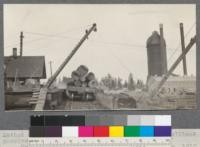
{"x": 25, "y": 67}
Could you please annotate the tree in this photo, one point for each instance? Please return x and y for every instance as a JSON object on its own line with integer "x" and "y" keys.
{"x": 125, "y": 84}
{"x": 119, "y": 83}
{"x": 109, "y": 81}
{"x": 140, "y": 84}
{"x": 131, "y": 82}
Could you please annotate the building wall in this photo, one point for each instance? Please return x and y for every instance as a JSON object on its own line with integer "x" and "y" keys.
{"x": 26, "y": 83}
{"x": 174, "y": 84}
{"x": 180, "y": 83}
{"x": 157, "y": 58}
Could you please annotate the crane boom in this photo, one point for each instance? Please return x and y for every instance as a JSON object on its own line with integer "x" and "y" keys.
{"x": 43, "y": 91}
{"x": 173, "y": 67}
{"x": 51, "y": 80}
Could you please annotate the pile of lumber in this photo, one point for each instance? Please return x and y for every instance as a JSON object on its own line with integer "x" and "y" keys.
{"x": 81, "y": 77}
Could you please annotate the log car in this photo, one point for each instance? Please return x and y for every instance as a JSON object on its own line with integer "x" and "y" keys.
{"x": 81, "y": 93}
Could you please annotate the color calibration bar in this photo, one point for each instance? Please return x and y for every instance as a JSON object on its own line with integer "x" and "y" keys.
{"x": 101, "y": 126}
{"x": 116, "y": 131}
{"x": 179, "y": 138}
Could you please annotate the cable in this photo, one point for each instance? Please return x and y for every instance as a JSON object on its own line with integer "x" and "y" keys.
{"x": 48, "y": 35}
{"x": 121, "y": 63}
{"x": 101, "y": 42}
{"x": 118, "y": 44}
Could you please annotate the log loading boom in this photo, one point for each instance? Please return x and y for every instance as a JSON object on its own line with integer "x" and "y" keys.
{"x": 43, "y": 91}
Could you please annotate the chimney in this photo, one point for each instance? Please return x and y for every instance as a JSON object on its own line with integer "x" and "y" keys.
{"x": 14, "y": 52}
{"x": 161, "y": 30}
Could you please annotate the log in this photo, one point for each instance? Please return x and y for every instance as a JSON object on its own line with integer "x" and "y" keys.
{"x": 84, "y": 84}
{"x": 90, "y": 76}
{"x": 82, "y": 70}
{"x": 70, "y": 81}
{"x": 78, "y": 83}
{"x": 75, "y": 75}
{"x": 93, "y": 84}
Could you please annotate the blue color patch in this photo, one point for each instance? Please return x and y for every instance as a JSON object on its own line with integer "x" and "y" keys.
{"x": 146, "y": 131}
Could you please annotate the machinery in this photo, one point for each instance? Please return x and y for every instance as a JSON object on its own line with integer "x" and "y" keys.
{"x": 173, "y": 67}
{"x": 80, "y": 89}
{"x": 44, "y": 90}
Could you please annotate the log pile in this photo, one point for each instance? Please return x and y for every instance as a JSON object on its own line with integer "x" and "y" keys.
{"x": 81, "y": 77}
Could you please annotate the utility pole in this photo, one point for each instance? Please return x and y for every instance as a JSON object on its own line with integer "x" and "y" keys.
{"x": 183, "y": 48}
{"x": 163, "y": 50}
{"x": 21, "y": 43}
{"x": 51, "y": 71}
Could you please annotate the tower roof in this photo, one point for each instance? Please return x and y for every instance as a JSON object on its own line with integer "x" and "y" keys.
{"x": 154, "y": 39}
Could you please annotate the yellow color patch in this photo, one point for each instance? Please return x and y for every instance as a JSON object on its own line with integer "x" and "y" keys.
{"x": 116, "y": 131}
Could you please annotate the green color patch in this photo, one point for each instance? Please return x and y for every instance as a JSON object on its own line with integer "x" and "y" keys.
{"x": 131, "y": 131}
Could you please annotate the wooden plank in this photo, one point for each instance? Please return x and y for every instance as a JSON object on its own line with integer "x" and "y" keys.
{"x": 41, "y": 100}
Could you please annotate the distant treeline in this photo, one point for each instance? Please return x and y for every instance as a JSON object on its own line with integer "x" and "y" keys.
{"x": 117, "y": 83}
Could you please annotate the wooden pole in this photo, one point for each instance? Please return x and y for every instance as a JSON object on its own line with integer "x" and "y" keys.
{"x": 173, "y": 67}
{"x": 51, "y": 70}
{"x": 183, "y": 48}
{"x": 50, "y": 81}
{"x": 163, "y": 50}
{"x": 21, "y": 43}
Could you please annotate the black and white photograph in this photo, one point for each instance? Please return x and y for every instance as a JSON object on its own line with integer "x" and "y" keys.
{"x": 86, "y": 57}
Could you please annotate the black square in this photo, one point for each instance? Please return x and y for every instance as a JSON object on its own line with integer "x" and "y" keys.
{"x": 37, "y": 120}
{"x": 37, "y": 131}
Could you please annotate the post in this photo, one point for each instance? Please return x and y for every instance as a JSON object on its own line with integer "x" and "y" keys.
{"x": 21, "y": 43}
{"x": 163, "y": 50}
{"x": 15, "y": 52}
{"x": 174, "y": 65}
{"x": 183, "y": 48}
{"x": 50, "y": 63}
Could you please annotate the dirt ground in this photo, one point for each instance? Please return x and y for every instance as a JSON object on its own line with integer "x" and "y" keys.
{"x": 81, "y": 105}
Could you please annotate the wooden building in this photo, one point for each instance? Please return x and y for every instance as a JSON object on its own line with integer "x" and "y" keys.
{"x": 22, "y": 72}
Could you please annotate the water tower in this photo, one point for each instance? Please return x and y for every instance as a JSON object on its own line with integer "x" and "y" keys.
{"x": 156, "y": 54}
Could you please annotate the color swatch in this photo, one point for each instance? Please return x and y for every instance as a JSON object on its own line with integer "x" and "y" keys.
{"x": 147, "y": 131}
{"x": 53, "y": 131}
{"x": 161, "y": 131}
{"x": 85, "y": 131}
{"x": 101, "y": 126}
{"x": 116, "y": 131}
{"x": 70, "y": 131}
{"x": 101, "y": 131}
{"x": 131, "y": 131}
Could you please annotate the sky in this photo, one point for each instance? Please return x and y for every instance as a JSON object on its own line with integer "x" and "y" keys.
{"x": 119, "y": 45}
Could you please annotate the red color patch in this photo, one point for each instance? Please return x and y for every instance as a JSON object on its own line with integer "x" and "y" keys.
{"x": 101, "y": 131}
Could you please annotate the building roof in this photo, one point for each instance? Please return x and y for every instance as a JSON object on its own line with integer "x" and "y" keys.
{"x": 154, "y": 39}
{"x": 25, "y": 67}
